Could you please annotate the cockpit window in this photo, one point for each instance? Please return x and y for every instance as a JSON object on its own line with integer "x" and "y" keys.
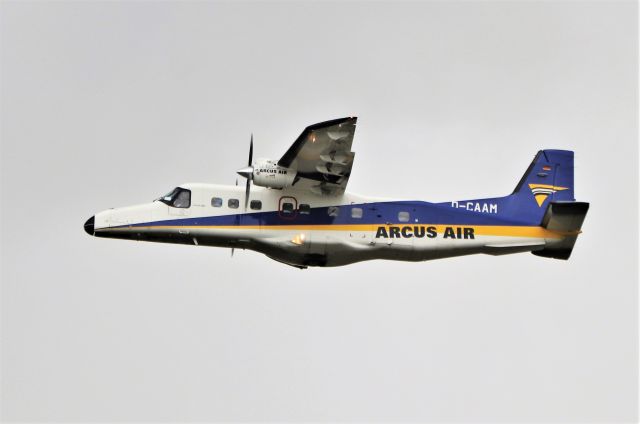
{"x": 178, "y": 198}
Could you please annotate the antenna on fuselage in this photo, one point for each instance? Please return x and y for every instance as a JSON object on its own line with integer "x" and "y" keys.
{"x": 247, "y": 173}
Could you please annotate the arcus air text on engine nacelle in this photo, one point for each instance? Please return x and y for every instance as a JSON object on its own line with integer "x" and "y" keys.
{"x": 267, "y": 173}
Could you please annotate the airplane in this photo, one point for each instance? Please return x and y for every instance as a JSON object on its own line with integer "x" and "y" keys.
{"x": 296, "y": 211}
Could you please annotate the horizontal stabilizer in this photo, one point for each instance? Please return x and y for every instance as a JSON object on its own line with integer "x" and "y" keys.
{"x": 566, "y": 217}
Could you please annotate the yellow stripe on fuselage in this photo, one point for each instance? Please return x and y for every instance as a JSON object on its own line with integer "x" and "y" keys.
{"x": 483, "y": 230}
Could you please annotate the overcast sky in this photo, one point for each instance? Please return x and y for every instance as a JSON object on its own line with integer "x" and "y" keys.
{"x": 115, "y": 103}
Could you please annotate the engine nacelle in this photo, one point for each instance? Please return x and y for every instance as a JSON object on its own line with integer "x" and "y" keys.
{"x": 267, "y": 173}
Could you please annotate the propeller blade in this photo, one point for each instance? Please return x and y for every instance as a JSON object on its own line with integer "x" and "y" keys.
{"x": 246, "y": 197}
{"x": 232, "y": 250}
{"x": 250, "y": 175}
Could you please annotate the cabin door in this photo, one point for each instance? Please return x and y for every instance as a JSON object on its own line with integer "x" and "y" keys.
{"x": 287, "y": 209}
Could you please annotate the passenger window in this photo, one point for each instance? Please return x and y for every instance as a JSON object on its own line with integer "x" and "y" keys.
{"x": 304, "y": 209}
{"x": 255, "y": 205}
{"x": 216, "y": 202}
{"x": 333, "y": 211}
{"x": 233, "y": 203}
{"x": 287, "y": 208}
{"x": 356, "y": 213}
{"x": 403, "y": 216}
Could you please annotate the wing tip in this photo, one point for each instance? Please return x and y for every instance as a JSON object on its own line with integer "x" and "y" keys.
{"x": 290, "y": 154}
{"x": 333, "y": 122}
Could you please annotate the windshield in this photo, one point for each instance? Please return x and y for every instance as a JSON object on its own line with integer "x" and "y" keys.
{"x": 177, "y": 198}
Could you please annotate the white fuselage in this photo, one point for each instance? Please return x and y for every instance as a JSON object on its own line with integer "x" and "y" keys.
{"x": 302, "y": 229}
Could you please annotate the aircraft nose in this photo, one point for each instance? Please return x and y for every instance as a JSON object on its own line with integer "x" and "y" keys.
{"x": 88, "y": 226}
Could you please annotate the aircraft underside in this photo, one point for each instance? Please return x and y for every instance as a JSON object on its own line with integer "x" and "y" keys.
{"x": 335, "y": 248}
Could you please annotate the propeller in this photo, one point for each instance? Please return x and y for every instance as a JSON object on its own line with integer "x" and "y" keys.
{"x": 248, "y": 173}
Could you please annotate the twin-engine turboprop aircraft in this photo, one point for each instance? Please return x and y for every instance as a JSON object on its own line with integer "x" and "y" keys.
{"x": 298, "y": 212}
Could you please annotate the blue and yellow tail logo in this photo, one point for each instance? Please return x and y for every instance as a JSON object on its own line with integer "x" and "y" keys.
{"x": 542, "y": 191}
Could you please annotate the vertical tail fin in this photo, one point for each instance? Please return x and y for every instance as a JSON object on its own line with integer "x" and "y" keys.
{"x": 550, "y": 176}
{"x": 548, "y": 179}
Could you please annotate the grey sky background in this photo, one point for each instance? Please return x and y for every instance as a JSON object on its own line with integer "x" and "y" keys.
{"x": 115, "y": 103}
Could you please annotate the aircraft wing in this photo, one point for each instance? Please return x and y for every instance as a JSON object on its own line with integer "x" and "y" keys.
{"x": 322, "y": 156}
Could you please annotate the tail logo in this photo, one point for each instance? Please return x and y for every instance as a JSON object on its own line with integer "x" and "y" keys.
{"x": 542, "y": 191}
